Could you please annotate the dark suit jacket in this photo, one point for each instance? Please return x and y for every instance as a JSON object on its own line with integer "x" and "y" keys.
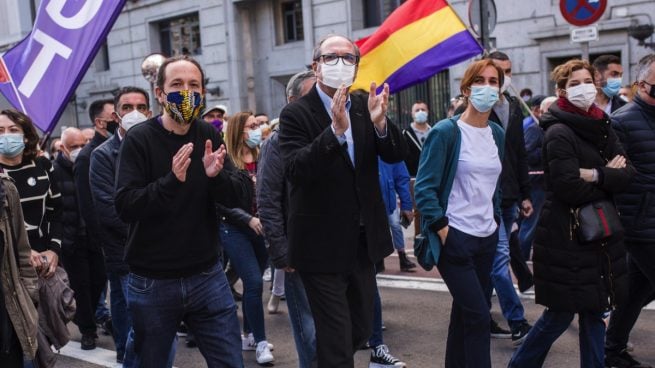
{"x": 84, "y": 197}
{"x": 327, "y": 195}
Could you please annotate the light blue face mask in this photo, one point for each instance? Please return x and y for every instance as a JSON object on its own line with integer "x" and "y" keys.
{"x": 483, "y": 98}
{"x": 254, "y": 138}
{"x": 11, "y": 144}
{"x": 612, "y": 87}
{"x": 421, "y": 116}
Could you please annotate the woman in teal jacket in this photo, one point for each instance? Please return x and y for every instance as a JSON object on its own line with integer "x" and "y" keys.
{"x": 457, "y": 193}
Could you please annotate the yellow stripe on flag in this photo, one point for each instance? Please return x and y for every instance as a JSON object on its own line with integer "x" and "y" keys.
{"x": 406, "y": 44}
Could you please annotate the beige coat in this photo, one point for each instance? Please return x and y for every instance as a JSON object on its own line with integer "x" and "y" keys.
{"x": 19, "y": 281}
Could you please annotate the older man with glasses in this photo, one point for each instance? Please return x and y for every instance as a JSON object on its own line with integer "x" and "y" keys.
{"x": 337, "y": 229}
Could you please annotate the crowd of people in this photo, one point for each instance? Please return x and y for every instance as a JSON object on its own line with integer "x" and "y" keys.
{"x": 171, "y": 210}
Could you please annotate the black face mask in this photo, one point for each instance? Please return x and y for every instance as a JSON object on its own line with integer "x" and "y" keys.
{"x": 651, "y": 93}
{"x": 112, "y": 126}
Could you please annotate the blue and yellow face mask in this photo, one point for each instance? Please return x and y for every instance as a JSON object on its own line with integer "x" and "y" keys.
{"x": 184, "y": 106}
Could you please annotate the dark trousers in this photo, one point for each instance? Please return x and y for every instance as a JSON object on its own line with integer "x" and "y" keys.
{"x": 86, "y": 271}
{"x": 465, "y": 265}
{"x": 342, "y": 306}
{"x": 641, "y": 278}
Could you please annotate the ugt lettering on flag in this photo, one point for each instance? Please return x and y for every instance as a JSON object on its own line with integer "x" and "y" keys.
{"x": 41, "y": 72}
{"x": 415, "y": 42}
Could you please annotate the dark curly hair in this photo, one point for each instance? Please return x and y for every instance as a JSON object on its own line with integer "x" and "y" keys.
{"x": 29, "y": 132}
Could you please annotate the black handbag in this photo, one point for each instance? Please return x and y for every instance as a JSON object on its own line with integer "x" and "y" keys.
{"x": 596, "y": 221}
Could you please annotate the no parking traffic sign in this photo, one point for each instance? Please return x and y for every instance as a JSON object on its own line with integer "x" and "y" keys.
{"x": 582, "y": 12}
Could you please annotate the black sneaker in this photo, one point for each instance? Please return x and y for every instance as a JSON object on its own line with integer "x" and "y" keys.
{"x": 108, "y": 327}
{"x": 88, "y": 342}
{"x": 190, "y": 340}
{"x": 520, "y": 332}
{"x": 498, "y": 332}
{"x": 380, "y": 358}
{"x": 622, "y": 360}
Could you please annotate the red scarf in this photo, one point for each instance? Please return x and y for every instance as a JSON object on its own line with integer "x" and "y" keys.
{"x": 594, "y": 112}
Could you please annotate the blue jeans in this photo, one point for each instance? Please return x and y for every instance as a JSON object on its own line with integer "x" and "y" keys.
{"x": 396, "y": 230}
{"x": 203, "y": 301}
{"x": 529, "y": 224}
{"x": 102, "y": 313}
{"x": 465, "y": 265}
{"x": 302, "y": 322}
{"x": 549, "y": 327}
{"x": 249, "y": 257}
{"x": 501, "y": 279}
{"x": 121, "y": 320}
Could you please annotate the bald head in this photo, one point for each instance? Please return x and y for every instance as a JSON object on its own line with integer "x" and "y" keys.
{"x": 71, "y": 139}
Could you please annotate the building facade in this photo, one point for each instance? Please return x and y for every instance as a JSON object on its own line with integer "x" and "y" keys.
{"x": 250, "y": 48}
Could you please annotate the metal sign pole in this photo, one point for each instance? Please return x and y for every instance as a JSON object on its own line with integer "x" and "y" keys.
{"x": 585, "y": 50}
{"x": 484, "y": 23}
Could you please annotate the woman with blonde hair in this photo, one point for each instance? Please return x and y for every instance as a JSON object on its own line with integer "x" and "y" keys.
{"x": 241, "y": 234}
{"x": 584, "y": 164}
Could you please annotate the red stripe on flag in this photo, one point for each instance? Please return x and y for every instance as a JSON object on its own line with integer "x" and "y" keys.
{"x": 405, "y": 14}
{"x": 603, "y": 221}
{"x": 4, "y": 74}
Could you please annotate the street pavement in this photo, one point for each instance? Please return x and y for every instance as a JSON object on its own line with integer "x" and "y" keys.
{"x": 415, "y": 308}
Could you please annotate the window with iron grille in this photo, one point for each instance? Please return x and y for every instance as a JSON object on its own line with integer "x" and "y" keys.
{"x": 180, "y": 35}
{"x": 292, "y": 21}
{"x": 435, "y": 92}
{"x": 376, "y": 11}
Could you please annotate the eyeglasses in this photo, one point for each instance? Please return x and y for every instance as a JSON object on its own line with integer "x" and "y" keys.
{"x": 332, "y": 59}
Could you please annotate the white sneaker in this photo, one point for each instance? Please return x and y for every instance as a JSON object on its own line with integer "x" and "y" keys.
{"x": 248, "y": 343}
{"x": 263, "y": 353}
{"x": 268, "y": 275}
{"x": 273, "y": 304}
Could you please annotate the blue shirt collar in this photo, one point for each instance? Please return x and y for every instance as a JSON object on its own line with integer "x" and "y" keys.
{"x": 327, "y": 100}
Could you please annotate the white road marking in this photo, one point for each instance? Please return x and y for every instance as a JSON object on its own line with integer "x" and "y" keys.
{"x": 107, "y": 358}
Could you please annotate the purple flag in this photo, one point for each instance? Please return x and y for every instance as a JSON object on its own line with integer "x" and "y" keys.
{"x": 43, "y": 70}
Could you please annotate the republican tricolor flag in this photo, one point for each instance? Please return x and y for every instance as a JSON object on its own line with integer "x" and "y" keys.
{"x": 418, "y": 40}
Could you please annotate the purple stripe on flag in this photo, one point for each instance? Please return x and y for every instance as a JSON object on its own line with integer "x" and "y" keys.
{"x": 455, "y": 49}
{"x": 47, "y": 66}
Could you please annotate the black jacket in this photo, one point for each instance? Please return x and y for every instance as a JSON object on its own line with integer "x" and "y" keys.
{"x": 72, "y": 226}
{"x": 571, "y": 276}
{"x": 414, "y": 148}
{"x": 515, "y": 182}
{"x": 272, "y": 200}
{"x": 617, "y": 103}
{"x": 83, "y": 187}
{"x": 635, "y": 126}
{"x": 329, "y": 198}
{"x": 102, "y": 175}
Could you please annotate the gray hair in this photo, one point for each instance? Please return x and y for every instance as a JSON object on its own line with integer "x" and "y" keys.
{"x": 643, "y": 67}
{"x": 295, "y": 83}
{"x": 545, "y": 104}
{"x": 69, "y": 132}
{"x": 317, "y": 49}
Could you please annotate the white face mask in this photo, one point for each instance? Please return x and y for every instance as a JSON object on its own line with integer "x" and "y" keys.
{"x": 131, "y": 119}
{"x": 507, "y": 81}
{"x": 582, "y": 95}
{"x": 336, "y": 75}
{"x": 74, "y": 153}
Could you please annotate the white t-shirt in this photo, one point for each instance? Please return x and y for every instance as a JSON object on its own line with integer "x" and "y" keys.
{"x": 470, "y": 203}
